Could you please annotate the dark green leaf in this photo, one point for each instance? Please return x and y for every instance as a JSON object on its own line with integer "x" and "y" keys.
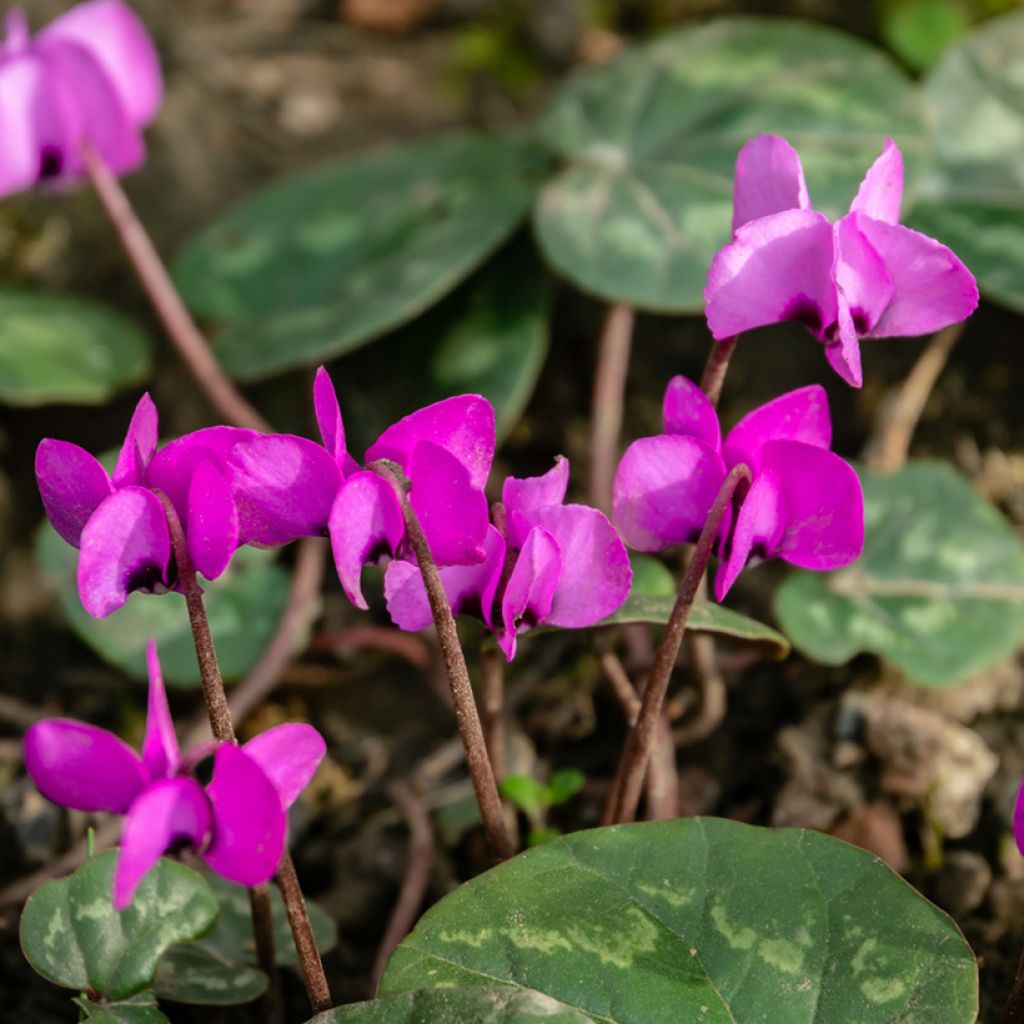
{"x": 140, "y": 1010}
{"x": 651, "y": 141}
{"x": 699, "y": 920}
{"x": 244, "y": 607}
{"x": 191, "y": 973}
{"x": 323, "y": 262}
{"x": 72, "y": 935}
{"x": 564, "y": 785}
{"x": 56, "y": 349}
{"x": 939, "y": 589}
{"x": 919, "y": 31}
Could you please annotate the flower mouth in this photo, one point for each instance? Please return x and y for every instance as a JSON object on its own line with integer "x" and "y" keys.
{"x": 51, "y": 163}
{"x": 803, "y": 310}
{"x": 149, "y": 579}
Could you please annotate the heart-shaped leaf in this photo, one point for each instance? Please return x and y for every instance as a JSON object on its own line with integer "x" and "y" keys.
{"x": 192, "y": 973}
{"x": 72, "y": 935}
{"x": 699, "y": 920}
{"x": 939, "y": 589}
{"x": 323, "y": 262}
{"x": 651, "y": 141}
{"x": 56, "y": 349}
{"x": 140, "y": 1010}
{"x": 976, "y": 204}
{"x": 244, "y": 607}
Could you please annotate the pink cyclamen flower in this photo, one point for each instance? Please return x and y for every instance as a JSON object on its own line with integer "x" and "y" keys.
{"x": 445, "y": 451}
{"x": 804, "y": 504}
{"x": 551, "y": 564}
{"x": 229, "y": 487}
{"x": 237, "y": 823}
{"x": 92, "y": 77}
{"x": 865, "y": 276}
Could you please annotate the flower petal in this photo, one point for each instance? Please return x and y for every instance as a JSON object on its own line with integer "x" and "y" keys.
{"x": 82, "y": 767}
{"x": 160, "y": 751}
{"x": 801, "y": 415}
{"x": 595, "y": 575}
{"x": 520, "y": 495}
{"x": 72, "y": 485}
{"x": 769, "y": 179}
{"x": 289, "y": 755}
{"x": 165, "y": 812}
{"x": 757, "y": 528}
{"x": 864, "y": 280}
{"x": 139, "y": 444}
{"x": 31, "y": 119}
{"x": 687, "y": 411}
{"x": 881, "y": 192}
{"x": 249, "y": 821}
{"x": 212, "y": 522}
{"x": 843, "y": 350}
{"x": 777, "y": 268}
{"x": 125, "y": 546}
{"x": 664, "y": 489}
{"x": 931, "y": 287}
{"x": 115, "y": 37}
{"x": 463, "y": 426}
{"x": 365, "y": 523}
{"x": 530, "y": 591}
{"x": 328, "y": 415}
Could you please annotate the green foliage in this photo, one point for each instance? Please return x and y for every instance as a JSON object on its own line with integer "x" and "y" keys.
{"x": 531, "y": 795}
{"x": 698, "y": 919}
{"x": 56, "y": 349}
{"x": 650, "y": 141}
{"x": 919, "y": 31}
{"x": 141, "y": 1009}
{"x": 323, "y": 262}
{"x": 243, "y": 606}
{"x": 939, "y": 590}
{"x": 72, "y": 935}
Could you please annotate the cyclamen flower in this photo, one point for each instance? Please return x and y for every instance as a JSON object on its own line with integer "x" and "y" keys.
{"x": 91, "y": 77}
{"x": 804, "y": 504}
{"x": 229, "y": 487}
{"x": 555, "y": 564}
{"x": 865, "y": 276}
{"x": 237, "y": 823}
{"x": 445, "y": 451}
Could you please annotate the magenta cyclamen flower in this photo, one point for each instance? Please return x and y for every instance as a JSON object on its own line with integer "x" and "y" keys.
{"x": 865, "y": 276}
{"x": 554, "y": 564}
{"x": 237, "y": 823}
{"x": 445, "y": 451}
{"x": 804, "y": 505}
{"x": 91, "y": 77}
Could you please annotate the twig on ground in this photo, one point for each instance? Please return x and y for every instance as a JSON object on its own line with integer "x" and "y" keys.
{"x": 608, "y": 400}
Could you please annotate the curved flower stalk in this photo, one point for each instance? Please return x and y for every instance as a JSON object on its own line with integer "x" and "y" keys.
{"x": 866, "y": 276}
{"x": 445, "y": 451}
{"x": 92, "y": 77}
{"x": 804, "y": 504}
{"x": 237, "y": 823}
{"x": 546, "y": 563}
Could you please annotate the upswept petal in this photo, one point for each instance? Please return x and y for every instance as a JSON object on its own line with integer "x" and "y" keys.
{"x": 212, "y": 522}
{"x": 843, "y": 349}
{"x": 82, "y": 767}
{"x": 931, "y": 287}
{"x": 289, "y": 755}
{"x": 139, "y": 444}
{"x": 452, "y": 509}
{"x": 769, "y": 179}
{"x": 160, "y": 751}
{"x": 687, "y": 411}
{"x": 801, "y": 415}
{"x": 328, "y": 415}
{"x": 125, "y": 546}
{"x": 777, "y": 268}
{"x": 72, "y": 485}
{"x": 881, "y": 192}
{"x": 757, "y": 529}
{"x": 115, "y": 37}
{"x": 462, "y": 426}
{"x": 31, "y": 119}
{"x": 167, "y": 811}
{"x": 664, "y": 489}
{"x": 249, "y": 822}
{"x": 365, "y": 523}
{"x": 530, "y": 591}
{"x": 595, "y": 575}
{"x": 522, "y": 494}
{"x": 861, "y": 274}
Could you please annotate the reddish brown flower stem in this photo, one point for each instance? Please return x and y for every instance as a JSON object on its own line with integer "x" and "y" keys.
{"x": 466, "y": 714}
{"x": 310, "y": 964}
{"x": 716, "y": 367}
{"x": 622, "y": 805}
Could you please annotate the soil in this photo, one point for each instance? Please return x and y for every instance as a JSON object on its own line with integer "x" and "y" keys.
{"x": 257, "y": 88}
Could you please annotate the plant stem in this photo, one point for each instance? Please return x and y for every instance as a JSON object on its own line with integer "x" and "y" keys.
{"x": 263, "y": 931}
{"x": 609, "y": 391}
{"x": 1014, "y": 1011}
{"x": 715, "y": 368}
{"x": 178, "y": 322}
{"x": 466, "y": 716}
{"x": 637, "y": 752}
{"x": 310, "y": 964}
